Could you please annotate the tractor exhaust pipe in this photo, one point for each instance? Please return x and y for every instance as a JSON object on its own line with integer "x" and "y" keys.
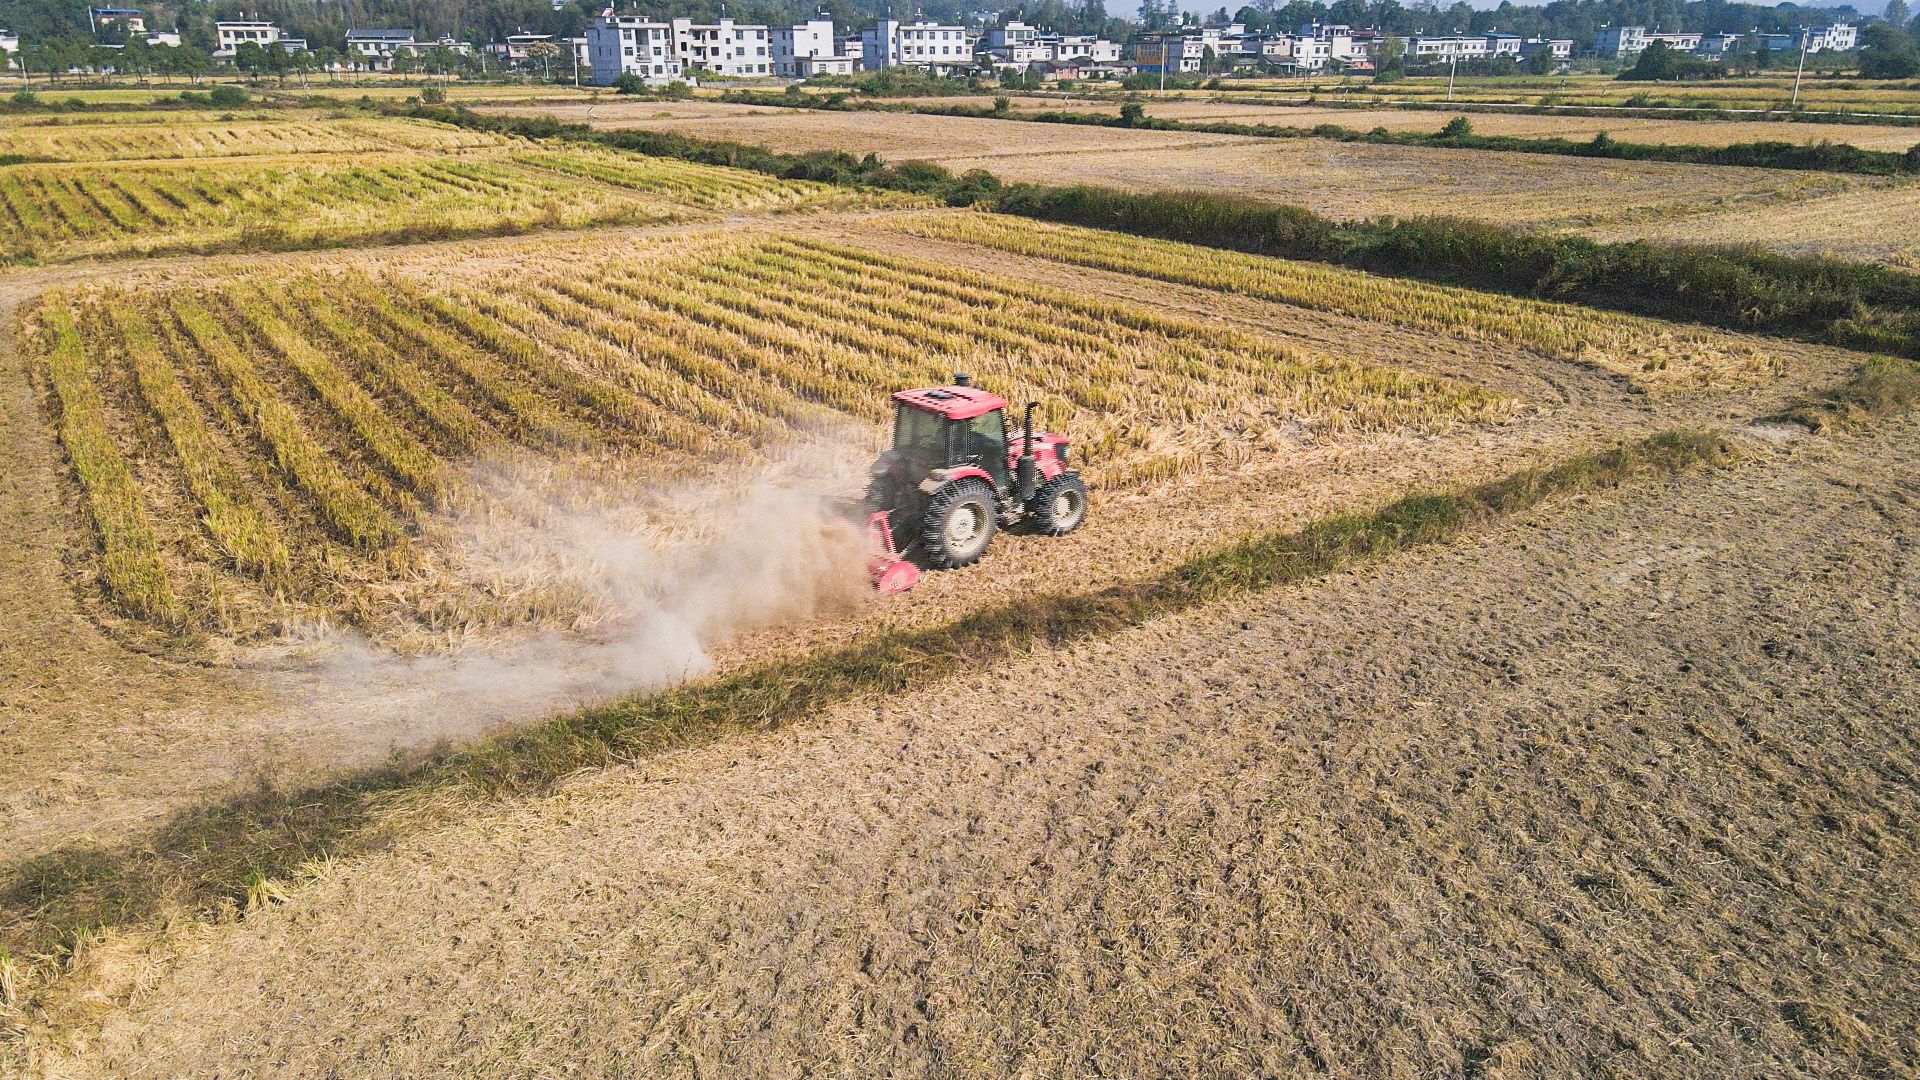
{"x": 1024, "y": 471}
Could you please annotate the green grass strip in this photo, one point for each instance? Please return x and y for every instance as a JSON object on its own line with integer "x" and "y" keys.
{"x": 214, "y": 852}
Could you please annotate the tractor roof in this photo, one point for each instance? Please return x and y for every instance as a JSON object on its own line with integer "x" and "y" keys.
{"x": 952, "y": 402}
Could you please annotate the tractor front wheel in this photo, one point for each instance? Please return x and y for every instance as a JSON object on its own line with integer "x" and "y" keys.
{"x": 959, "y": 524}
{"x": 1060, "y": 505}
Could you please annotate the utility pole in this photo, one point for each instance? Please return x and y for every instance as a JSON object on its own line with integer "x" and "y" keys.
{"x": 1802, "y": 69}
{"x": 1453, "y": 65}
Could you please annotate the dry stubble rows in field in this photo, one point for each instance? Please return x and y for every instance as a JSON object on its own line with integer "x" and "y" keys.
{"x": 76, "y": 211}
{"x": 137, "y": 135}
{"x": 262, "y": 449}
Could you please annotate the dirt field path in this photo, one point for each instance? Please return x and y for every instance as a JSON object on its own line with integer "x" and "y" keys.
{"x": 1622, "y": 788}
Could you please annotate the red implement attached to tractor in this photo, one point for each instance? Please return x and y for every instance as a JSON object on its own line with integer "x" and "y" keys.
{"x": 955, "y": 475}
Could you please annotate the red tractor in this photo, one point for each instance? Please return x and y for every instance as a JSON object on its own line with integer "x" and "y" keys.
{"x": 955, "y": 475}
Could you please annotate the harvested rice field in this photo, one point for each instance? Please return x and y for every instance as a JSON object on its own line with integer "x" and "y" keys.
{"x": 1458, "y": 816}
{"x": 1522, "y": 125}
{"x": 1600, "y": 197}
{"x": 897, "y": 136}
{"x": 449, "y": 649}
{"x": 122, "y": 136}
{"x": 350, "y": 182}
{"x": 279, "y": 460}
{"x": 1879, "y": 226}
{"x": 685, "y": 354}
{"x": 1893, "y": 98}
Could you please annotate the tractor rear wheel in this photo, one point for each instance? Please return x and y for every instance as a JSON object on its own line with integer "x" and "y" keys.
{"x": 1060, "y": 505}
{"x": 959, "y": 524}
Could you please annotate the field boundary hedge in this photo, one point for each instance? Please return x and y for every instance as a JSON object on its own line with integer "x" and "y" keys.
{"x": 235, "y": 852}
{"x": 1854, "y": 305}
{"x": 1817, "y": 157}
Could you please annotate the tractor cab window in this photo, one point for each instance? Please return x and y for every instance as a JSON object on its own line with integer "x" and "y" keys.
{"x": 987, "y": 435}
{"x": 920, "y": 436}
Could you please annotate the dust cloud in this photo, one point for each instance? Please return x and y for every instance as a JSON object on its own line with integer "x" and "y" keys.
{"x": 646, "y": 583}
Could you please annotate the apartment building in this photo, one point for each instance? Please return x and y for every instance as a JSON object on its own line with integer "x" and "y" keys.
{"x": 133, "y": 19}
{"x": 1087, "y": 47}
{"x": 1626, "y": 42}
{"x": 1499, "y": 45}
{"x": 1432, "y": 48}
{"x": 631, "y": 45}
{"x": 375, "y": 49}
{"x": 725, "y": 48}
{"x": 1169, "y": 52}
{"x": 1014, "y": 35}
{"x": 1840, "y": 37}
{"x": 1557, "y": 48}
{"x": 229, "y": 36}
{"x": 807, "y": 49}
{"x": 892, "y": 43}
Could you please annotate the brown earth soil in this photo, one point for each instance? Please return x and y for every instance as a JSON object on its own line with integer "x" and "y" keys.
{"x": 1619, "y": 788}
{"x": 112, "y": 753}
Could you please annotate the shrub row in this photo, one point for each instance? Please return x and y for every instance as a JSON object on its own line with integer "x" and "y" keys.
{"x": 1857, "y": 305}
{"x": 219, "y": 97}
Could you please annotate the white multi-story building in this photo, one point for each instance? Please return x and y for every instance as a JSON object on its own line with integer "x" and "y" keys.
{"x": 9, "y": 42}
{"x": 133, "y": 19}
{"x": 812, "y": 40}
{"x": 517, "y": 48}
{"x": 1021, "y": 55}
{"x": 631, "y": 45}
{"x": 1171, "y": 52}
{"x": 1618, "y": 41}
{"x": 1499, "y": 45}
{"x": 1013, "y": 35}
{"x": 1840, "y": 37}
{"x": 1717, "y": 45}
{"x": 1557, "y": 48}
{"x": 1626, "y": 42}
{"x": 892, "y": 43}
{"x": 734, "y": 50}
{"x": 377, "y": 48}
{"x": 1086, "y": 46}
{"x": 1429, "y": 48}
{"x": 228, "y": 36}
{"x": 1682, "y": 42}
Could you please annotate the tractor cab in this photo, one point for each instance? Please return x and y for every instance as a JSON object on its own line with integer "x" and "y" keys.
{"x": 949, "y": 427}
{"x": 955, "y": 475}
